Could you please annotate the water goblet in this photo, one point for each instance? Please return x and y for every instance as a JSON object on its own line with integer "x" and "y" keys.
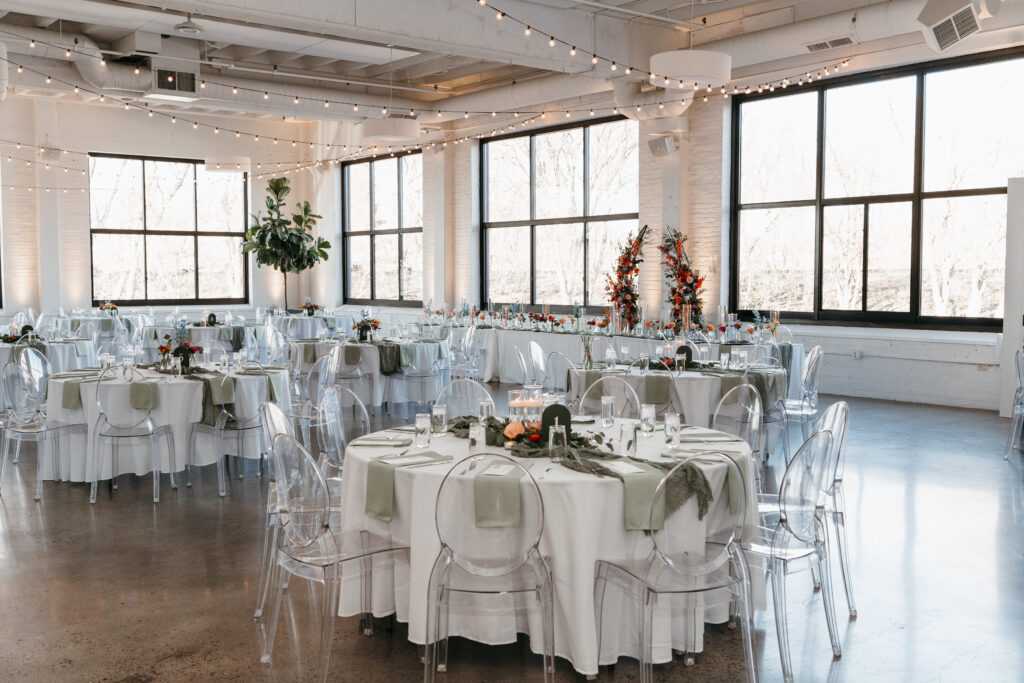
{"x": 607, "y": 411}
{"x": 484, "y": 409}
{"x": 439, "y": 419}
{"x": 557, "y": 443}
{"x": 648, "y": 417}
{"x": 422, "y": 430}
{"x": 672, "y": 424}
{"x": 477, "y": 439}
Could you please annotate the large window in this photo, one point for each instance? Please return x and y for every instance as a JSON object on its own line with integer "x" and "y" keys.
{"x": 166, "y": 231}
{"x": 557, "y": 205}
{"x": 879, "y": 199}
{"x": 384, "y": 230}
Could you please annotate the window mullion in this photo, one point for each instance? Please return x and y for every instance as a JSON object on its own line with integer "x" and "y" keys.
{"x": 819, "y": 222}
{"x": 915, "y": 211}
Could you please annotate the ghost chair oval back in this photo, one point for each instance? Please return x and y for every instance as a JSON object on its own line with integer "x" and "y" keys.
{"x": 679, "y": 566}
{"x": 556, "y": 377}
{"x": 231, "y": 409}
{"x": 250, "y": 346}
{"x": 309, "y": 548}
{"x": 463, "y": 398}
{"x": 783, "y": 334}
{"x": 537, "y": 363}
{"x": 799, "y": 540}
{"x": 276, "y": 345}
{"x": 349, "y": 372}
{"x": 804, "y": 410}
{"x": 333, "y": 434}
{"x": 33, "y": 358}
{"x": 274, "y": 422}
{"x": 125, "y": 419}
{"x": 119, "y": 352}
{"x": 604, "y": 350}
{"x": 305, "y": 413}
{"x": 462, "y": 365}
{"x": 26, "y": 421}
{"x": 739, "y": 413}
{"x": 627, "y": 402}
{"x": 524, "y": 368}
{"x": 489, "y": 547}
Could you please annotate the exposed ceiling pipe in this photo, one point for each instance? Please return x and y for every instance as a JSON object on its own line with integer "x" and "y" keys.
{"x": 81, "y": 51}
{"x": 5, "y": 72}
{"x": 873, "y": 22}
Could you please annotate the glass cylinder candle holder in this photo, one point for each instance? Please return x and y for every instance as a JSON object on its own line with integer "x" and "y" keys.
{"x": 607, "y": 411}
{"x": 534, "y": 404}
{"x": 439, "y": 419}
{"x": 648, "y": 417}
{"x": 477, "y": 439}
{"x": 516, "y": 403}
{"x": 672, "y": 425}
{"x": 422, "y": 430}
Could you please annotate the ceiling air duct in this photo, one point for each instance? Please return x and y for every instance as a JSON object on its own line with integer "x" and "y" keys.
{"x": 947, "y": 22}
{"x": 390, "y": 130}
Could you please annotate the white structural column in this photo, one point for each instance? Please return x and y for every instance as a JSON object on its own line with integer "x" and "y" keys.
{"x": 1013, "y": 294}
{"x": 652, "y": 214}
{"x": 709, "y": 192}
{"x": 463, "y": 281}
{"x": 48, "y": 212}
{"x": 435, "y": 205}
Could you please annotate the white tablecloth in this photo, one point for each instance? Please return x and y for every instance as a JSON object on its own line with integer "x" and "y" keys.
{"x": 568, "y": 344}
{"x": 63, "y": 354}
{"x": 796, "y": 368}
{"x": 179, "y": 404}
{"x": 584, "y": 523}
{"x": 693, "y": 395}
{"x": 153, "y": 336}
{"x": 100, "y": 327}
{"x": 309, "y": 326}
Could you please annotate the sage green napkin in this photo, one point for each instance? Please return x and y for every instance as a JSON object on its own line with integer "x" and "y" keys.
{"x": 496, "y": 495}
{"x": 151, "y": 333}
{"x": 688, "y": 437}
{"x": 380, "y": 481}
{"x": 143, "y": 395}
{"x": 442, "y": 347}
{"x": 382, "y": 441}
{"x": 786, "y": 356}
{"x": 331, "y": 323}
{"x": 639, "y": 483}
{"x": 352, "y": 354}
{"x": 75, "y": 324}
{"x": 408, "y": 354}
{"x": 107, "y": 324}
{"x": 734, "y": 476}
{"x": 308, "y": 352}
{"x": 656, "y": 389}
{"x": 71, "y": 399}
{"x": 218, "y": 390}
{"x": 81, "y": 348}
{"x": 274, "y": 386}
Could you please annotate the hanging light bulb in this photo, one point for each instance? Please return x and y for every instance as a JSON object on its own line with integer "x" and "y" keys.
{"x": 526, "y": 31}
{"x": 573, "y": 51}
{"x": 499, "y": 16}
{"x": 551, "y": 41}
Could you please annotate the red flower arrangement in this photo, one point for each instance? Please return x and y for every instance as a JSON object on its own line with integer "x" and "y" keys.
{"x": 621, "y": 287}
{"x": 683, "y": 281}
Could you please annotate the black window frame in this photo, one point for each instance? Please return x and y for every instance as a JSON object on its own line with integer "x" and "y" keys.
{"x": 586, "y": 219}
{"x": 863, "y": 318}
{"x": 374, "y": 232}
{"x": 196, "y": 234}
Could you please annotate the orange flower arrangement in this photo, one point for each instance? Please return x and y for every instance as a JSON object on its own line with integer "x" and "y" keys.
{"x": 622, "y": 287}
{"x": 684, "y": 283}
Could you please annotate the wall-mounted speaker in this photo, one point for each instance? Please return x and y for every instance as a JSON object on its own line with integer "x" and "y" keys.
{"x": 662, "y": 147}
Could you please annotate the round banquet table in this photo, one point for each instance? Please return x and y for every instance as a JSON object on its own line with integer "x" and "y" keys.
{"x": 310, "y": 326}
{"x": 65, "y": 354}
{"x": 179, "y": 404}
{"x": 692, "y": 394}
{"x": 153, "y": 336}
{"x": 584, "y": 522}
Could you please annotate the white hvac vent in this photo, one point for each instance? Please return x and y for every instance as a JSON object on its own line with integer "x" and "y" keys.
{"x": 179, "y": 86}
{"x": 829, "y": 44}
{"x": 947, "y": 22}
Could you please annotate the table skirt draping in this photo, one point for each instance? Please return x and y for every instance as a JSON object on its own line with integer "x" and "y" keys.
{"x": 63, "y": 354}
{"x": 583, "y": 523}
{"x": 179, "y": 404}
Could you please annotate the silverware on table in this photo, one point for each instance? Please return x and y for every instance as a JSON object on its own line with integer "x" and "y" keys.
{"x": 544, "y": 473}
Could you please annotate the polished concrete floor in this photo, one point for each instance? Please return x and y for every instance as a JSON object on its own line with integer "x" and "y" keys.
{"x": 126, "y": 590}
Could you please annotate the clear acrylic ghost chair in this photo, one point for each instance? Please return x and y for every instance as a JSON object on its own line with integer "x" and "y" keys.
{"x": 310, "y": 549}
{"x": 1017, "y": 423}
{"x": 351, "y": 375}
{"x": 26, "y": 421}
{"x": 33, "y": 360}
{"x": 422, "y": 380}
{"x": 691, "y": 578}
{"x": 799, "y": 540}
{"x": 250, "y": 347}
{"x": 478, "y": 353}
{"x": 213, "y": 349}
{"x": 19, "y": 320}
{"x": 274, "y": 422}
{"x": 498, "y": 561}
{"x": 538, "y": 363}
{"x": 240, "y": 420}
{"x": 119, "y": 423}
{"x": 120, "y": 352}
{"x": 305, "y": 413}
{"x": 463, "y": 397}
{"x": 604, "y": 350}
{"x": 804, "y": 410}
{"x": 524, "y": 368}
{"x": 462, "y": 356}
{"x": 739, "y": 413}
{"x": 558, "y": 366}
{"x": 697, "y": 351}
{"x": 783, "y": 334}
{"x": 627, "y": 402}
{"x": 836, "y": 420}
{"x": 275, "y": 345}
{"x": 333, "y": 435}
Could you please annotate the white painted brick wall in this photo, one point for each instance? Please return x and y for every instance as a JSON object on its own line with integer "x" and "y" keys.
{"x": 707, "y": 202}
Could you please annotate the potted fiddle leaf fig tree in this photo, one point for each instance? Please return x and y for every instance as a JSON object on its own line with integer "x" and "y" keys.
{"x": 286, "y": 245}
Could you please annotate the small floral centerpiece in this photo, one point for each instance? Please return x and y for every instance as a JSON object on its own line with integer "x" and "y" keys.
{"x": 309, "y": 307}
{"x": 109, "y": 307}
{"x": 622, "y": 285}
{"x": 364, "y": 326}
{"x": 165, "y": 354}
{"x": 181, "y": 348}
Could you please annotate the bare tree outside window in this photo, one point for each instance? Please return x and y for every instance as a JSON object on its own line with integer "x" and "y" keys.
{"x": 575, "y": 193}
{"x": 166, "y": 231}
